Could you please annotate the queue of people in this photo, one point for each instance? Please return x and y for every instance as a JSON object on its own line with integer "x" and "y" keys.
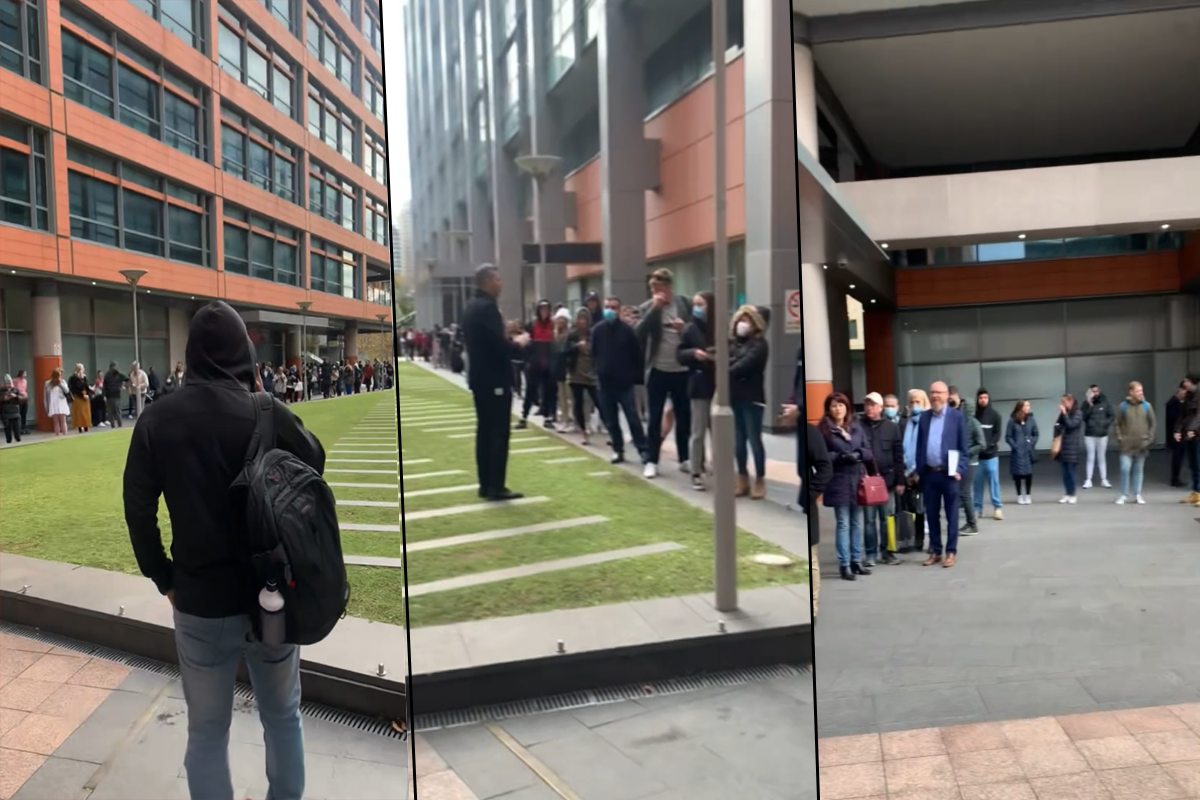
{"x": 897, "y": 477}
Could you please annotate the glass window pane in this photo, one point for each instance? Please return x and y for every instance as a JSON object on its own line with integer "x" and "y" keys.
{"x": 233, "y": 154}
{"x": 284, "y": 178}
{"x": 88, "y": 74}
{"x": 230, "y": 46}
{"x": 181, "y": 120}
{"x": 178, "y": 16}
{"x": 282, "y": 91}
{"x": 256, "y": 72}
{"x": 15, "y": 185}
{"x": 236, "y": 251}
{"x": 139, "y": 102}
{"x": 260, "y": 165}
{"x": 93, "y": 206}
{"x": 143, "y": 223}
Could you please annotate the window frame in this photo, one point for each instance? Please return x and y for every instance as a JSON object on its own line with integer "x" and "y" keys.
{"x": 199, "y": 40}
{"x": 31, "y": 24}
{"x": 330, "y": 35}
{"x": 34, "y": 151}
{"x": 331, "y": 181}
{"x": 373, "y": 32}
{"x": 375, "y": 157}
{"x": 328, "y": 106}
{"x": 164, "y": 81}
{"x": 246, "y": 221}
{"x": 288, "y": 19}
{"x": 374, "y": 210}
{"x": 243, "y": 125}
{"x": 331, "y": 252}
{"x": 373, "y": 94}
{"x": 252, "y": 41}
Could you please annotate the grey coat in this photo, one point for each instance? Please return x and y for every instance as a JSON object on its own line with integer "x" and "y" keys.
{"x": 1022, "y": 438}
{"x": 1070, "y": 428}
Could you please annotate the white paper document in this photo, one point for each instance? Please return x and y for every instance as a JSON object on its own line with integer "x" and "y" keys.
{"x": 952, "y": 462}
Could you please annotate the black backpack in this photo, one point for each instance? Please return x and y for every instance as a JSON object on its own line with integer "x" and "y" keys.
{"x": 294, "y": 538}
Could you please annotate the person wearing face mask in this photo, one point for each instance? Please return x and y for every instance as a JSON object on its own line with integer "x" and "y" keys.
{"x": 539, "y": 367}
{"x": 912, "y": 502}
{"x": 617, "y": 359}
{"x": 696, "y": 350}
{"x": 883, "y": 436}
{"x": 748, "y": 356}
{"x": 1098, "y": 418}
{"x": 976, "y": 442}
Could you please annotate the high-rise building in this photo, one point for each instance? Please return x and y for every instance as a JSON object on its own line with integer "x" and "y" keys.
{"x": 230, "y": 149}
{"x": 1008, "y": 190}
{"x": 629, "y": 141}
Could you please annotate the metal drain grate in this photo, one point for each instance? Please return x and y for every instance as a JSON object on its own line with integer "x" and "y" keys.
{"x": 242, "y": 691}
{"x": 597, "y": 697}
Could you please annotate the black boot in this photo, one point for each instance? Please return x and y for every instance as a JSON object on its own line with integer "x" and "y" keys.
{"x": 859, "y": 569}
{"x": 847, "y": 575}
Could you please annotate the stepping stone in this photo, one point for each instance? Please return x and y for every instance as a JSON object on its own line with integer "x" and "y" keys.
{"x": 364, "y": 486}
{"x": 539, "y": 568}
{"x": 361, "y": 471}
{"x": 570, "y": 460}
{"x": 538, "y": 449}
{"x": 454, "y": 429}
{"x": 449, "y": 419}
{"x": 442, "y": 474}
{"x": 443, "y": 490}
{"x": 487, "y": 536}
{"x": 360, "y": 461}
{"x": 370, "y": 503}
{"x": 378, "y": 452}
{"x": 470, "y": 509}
{"x": 602, "y": 474}
{"x": 359, "y": 526}
{"x": 415, "y": 461}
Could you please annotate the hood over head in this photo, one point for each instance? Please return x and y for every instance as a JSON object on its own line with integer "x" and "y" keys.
{"x": 219, "y": 349}
{"x": 751, "y": 313}
{"x": 590, "y": 296}
{"x": 8, "y": 382}
{"x": 584, "y": 313}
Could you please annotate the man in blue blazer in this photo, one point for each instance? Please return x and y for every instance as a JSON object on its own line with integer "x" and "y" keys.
{"x": 940, "y": 433}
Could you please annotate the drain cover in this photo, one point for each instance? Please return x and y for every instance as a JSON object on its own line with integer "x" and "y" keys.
{"x": 772, "y": 560}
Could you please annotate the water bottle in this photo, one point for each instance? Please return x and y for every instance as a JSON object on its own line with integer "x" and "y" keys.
{"x": 274, "y": 625}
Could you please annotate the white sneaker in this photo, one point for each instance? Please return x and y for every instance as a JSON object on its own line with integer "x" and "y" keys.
{"x": 1141, "y": 501}
{"x": 685, "y": 466}
{"x": 1106, "y": 484}
{"x": 1065, "y": 499}
{"x": 999, "y": 515}
{"x": 1028, "y": 499}
{"x": 1121, "y": 500}
{"x": 1087, "y": 484}
{"x": 1072, "y": 500}
{"x": 650, "y": 471}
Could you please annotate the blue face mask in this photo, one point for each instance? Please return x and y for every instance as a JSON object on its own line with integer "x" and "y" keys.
{"x": 890, "y": 413}
{"x": 698, "y": 312}
{"x": 916, "y": 411}
{"x": 610, "y": 314}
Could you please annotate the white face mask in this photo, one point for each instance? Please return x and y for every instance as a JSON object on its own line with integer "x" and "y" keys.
{"x": 744, "y": 328}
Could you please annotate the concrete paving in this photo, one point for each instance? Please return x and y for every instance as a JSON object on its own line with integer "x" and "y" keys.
{"x": 1059, "y": 609}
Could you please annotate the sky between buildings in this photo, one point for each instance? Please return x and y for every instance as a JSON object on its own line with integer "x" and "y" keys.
{"x": 394, "y": 76}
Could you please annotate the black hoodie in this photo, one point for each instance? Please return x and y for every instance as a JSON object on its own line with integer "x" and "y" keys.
{"x": 188, "y": 448}
{"x": 989, "y": 420}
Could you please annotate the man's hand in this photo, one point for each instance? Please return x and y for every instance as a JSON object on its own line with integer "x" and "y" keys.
{"x": 701, "y": 355}
{"x": 171, "y": 597}
{"x": 957, "y": 477}
{"x": 899, "y": 490}
{"x": 659, "y": 299}
{"x": 678, "y": 324}
{"x": 790, "y": 414}
{"x": 258, "y": 384}
{"x": 522, "y": 339}
{"x": 1178, "y": 437}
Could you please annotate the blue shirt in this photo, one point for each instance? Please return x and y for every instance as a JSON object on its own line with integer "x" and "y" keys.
{"x": 933, "y": 447}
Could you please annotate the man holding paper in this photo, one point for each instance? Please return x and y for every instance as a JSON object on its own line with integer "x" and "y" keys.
{"x": 941, "y": 462}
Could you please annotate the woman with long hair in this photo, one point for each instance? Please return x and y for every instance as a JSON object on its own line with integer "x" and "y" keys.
{"x": 848, "y": 449}
{"x": 57, "y": 399}
{"x": 81, "y": 399}
{"x": 697, "y": 346}
{"x": 99, "y": 418}
{"x": 581, "y": 370}
{"x": 21, "y": 384}
{"x": 1022, "y": 437}
{"x": 748, "y": 356}
{"x": 1070, "y": 428}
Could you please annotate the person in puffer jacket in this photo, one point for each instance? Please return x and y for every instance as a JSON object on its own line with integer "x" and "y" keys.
{"x": 539, "y": 367}
{"x": 748, "y": 356}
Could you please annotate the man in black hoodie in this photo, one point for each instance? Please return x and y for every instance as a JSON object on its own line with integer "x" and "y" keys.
{"x": 189, "y": 448}
{"x": 617, "y": 357}
{"x": 989, "y": 457}
{"x": 591, "y": 301}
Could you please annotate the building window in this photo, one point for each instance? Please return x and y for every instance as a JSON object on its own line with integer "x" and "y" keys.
{"x": 481, "y": 49}
{"x": 376, "y": 225}
{"x": 376, "y": 158}
{"x": 21, "y": 38}
{"x": 331, "y": 196}
{"x": 333, "y": 124}
{"x": 562, "y": 39}
{"x": 593, "y": 18}
{"x": 348, "y": 7}
{"x": 180, "y": 17}
{"x": 282, "y": 11}
{"x": 112, "y": 77}
{"x": 123, "y": 206}
{"x": 512, "y": 91}
{"x": 252, "y": 153}
{"x": 330, "y": 46}
{"x": 24, "y": 198}
{"x": 260, "y": 247}
{"x": 259, "y": 64}
{"x": 373, "y": 94}
{"x": 334, "y": 270}
{"x": 372, "y": 27}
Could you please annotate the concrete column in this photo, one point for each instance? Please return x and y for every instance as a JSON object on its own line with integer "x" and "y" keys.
{"x": 772, "y": 243}
{"x": 622, "y": 143}
{"x": 806, "y": 97}
{"x": 839, "y": 341}
{"x": 818, "y": 360}
{"x": 351, "y": 338}
{"x": 47, "y": 346}
{"x": 479, "y": 246}
{"x": 505, "y": 191}
{"x": 292, "y": 346}
{"x": 178, "y": 322}
{"x": 550, "y": 280}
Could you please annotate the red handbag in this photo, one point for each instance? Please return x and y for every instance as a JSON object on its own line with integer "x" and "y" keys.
{"x": 872, "y": 489}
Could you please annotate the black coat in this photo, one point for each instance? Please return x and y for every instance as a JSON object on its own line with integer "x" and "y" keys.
{"x": 617, "y": 354}
{"x": 820, "y": 472}
{"x": 887, "y": 447}
{"x": 488, "y": 347}
{"x": 188, "y": 448}
{"x": 993, "y": 428}
{"x": 1070, "y": 428}
{"x": 702, "y": 383}
{"x": 747, "y": 368}
{"x": 113, "y": 381}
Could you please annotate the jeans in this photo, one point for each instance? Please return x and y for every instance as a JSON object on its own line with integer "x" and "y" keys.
{"x": 1097, "y": 453}
{"x": 659, "y": 386}
{"x": 989, "y": 470}
{"x": 849, "y": 534}
{"x": 875, "y": 527}
{"x": 209, "y": 653}
{"x": 748, "y": 424}
{"x": 967, "y": 493}
{"x": 1136, "y": 466}
{"x": 701, "y": 425}
{"x": 614, "y": 402}
{"x": 1068, "y": 478}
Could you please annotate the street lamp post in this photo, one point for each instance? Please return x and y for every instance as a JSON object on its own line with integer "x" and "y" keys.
{"x": 133, "y": 276}
{"x": 304, "y": 305}
{"x": 724, "y": 505}
{"x": 539, "y": 167}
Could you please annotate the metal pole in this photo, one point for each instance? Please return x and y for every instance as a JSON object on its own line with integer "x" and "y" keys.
{"x": 724, "y": 505}
{"x": 137, "y": 348}
{"x": 303, "y": 355}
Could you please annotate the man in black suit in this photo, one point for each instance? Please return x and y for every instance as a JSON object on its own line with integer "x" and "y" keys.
{"x": 490, "y": 353}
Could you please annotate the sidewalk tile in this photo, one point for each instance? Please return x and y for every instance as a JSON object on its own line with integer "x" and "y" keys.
{"x": 1187, "y": 775}
{"x": 10, "y": 642}
{"x": 913, "y": 744}
{"x": 1115, "y": 752}
{"x": 16, "y": 767}
{"x": 73, "y": 702}
{"x": 9, "y": 719}
{"x": 1170, "y": 746}
{"x": 842, "y": 750}
{"x": 1034, "y": 732}
{"x": 918, "y": 774}
{"x": 1045, "y": 761}
{"x": 944, "y": 793}
{"x": 1141, "y": 783}
{"x": 1084, "y": 786}
{"x": 26, "y": 695}
{"x": 1149, "y": 720}
{"x": 100, "y": 674}
{"x": 973, "y": 738}
{"x": 1015, "y": 790}
{"x": 39, "y": 733}
{"x": 989, "y": 766}
{"x": 443, "y": 785}
{"x": 14, "y": 662}
{"x": 1189, "y": 713}
{"x": 1096, "y": 725}
{"x": 57, "y": 669}
{"x": 850, "y": 781}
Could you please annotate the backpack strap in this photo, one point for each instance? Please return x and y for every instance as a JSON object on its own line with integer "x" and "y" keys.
{"x": 263, "y": 438}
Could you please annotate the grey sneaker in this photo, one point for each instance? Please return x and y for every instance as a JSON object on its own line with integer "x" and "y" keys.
{"x": 969, "y": 530}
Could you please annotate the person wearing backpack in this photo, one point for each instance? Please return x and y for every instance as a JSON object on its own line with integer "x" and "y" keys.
{"x": 1135, "y": 433}
{"x": 191, "y": 448}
